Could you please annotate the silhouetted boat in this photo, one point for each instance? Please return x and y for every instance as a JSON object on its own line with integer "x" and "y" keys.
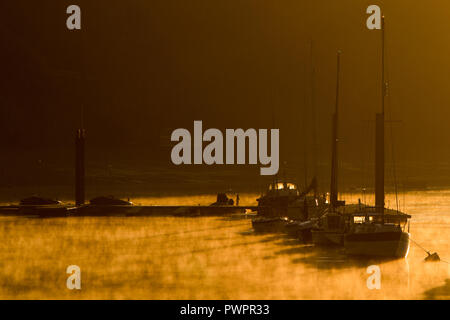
{"x": 330, "y": 225}
{"x": 41, "y": 207}
{"x": 363, "y": 230}
{"x": 38, "y": 201}
{"x": 302, "y": 230}
{"x": 223, "y": 200}
{"x": 283, "y": 205}
{"x": 106, "y": 206}
{"x": 282, "y": 199}
{"x": 330, "y": 229}
{"x": 378, "y": 231}
{"x": 374, "y": 233}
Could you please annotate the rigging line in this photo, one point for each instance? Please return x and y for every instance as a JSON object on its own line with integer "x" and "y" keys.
{"x": 419, "y": 245}
{"x": 404, "y": 197}
{"x": 428, "y": 252}
{"x": 365, "y": 169}
{"x": 394, "y": 169}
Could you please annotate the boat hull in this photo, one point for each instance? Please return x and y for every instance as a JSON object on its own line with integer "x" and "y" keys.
{"x": 380, "y": 244}
{"x": 269, "y": 225}
{"x": 327, "y": 238}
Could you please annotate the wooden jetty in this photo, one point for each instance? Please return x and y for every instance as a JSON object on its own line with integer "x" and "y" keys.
{"x": 124, "y": 210}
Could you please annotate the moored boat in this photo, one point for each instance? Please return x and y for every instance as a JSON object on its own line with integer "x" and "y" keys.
{"x": 331, "y": 223}
{"x": 379, "y": 231}
{"x": 330, "y": 231}
{"x": 302, "y": 230}
{"x": 371, "y": 233}
{"x": 283, "y": 207}
{"x": 362, "y": 230}
{"x": 106, "y": 206}
{"x": 41, "y": 207}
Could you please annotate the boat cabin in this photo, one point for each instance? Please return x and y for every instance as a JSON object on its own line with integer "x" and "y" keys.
{"x": 389, "y": 219}
{"x": 283, "y": 189}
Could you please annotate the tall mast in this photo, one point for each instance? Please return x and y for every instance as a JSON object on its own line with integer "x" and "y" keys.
{"x": 379, "y": 136}
{"x": 334, "y": 142}
{"x": 313, "y": 116}
{"x": 383, "y": 80}
{"x": 275, "y": 182}
{"x": 304, "y": 138}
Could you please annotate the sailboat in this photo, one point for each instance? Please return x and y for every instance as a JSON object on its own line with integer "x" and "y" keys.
{"x": 331, "y": 225}
{"x": 377, "y": 231}
{"x": 361, "y": 229}
{"x": 284, "y": 207}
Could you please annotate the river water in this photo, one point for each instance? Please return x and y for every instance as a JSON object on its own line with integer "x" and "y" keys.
{"x": 212, "y": 258}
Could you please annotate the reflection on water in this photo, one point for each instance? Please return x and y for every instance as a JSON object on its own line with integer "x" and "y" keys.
{"x": 211, "y": 258}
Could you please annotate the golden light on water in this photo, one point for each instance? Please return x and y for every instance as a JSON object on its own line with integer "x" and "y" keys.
{"x": 210, "y": 258}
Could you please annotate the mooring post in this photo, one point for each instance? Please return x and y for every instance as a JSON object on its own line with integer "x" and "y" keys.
{"x": 79, "y": 167}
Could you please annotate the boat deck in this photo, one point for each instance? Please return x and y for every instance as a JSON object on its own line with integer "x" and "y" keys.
{"x": 362, "y": 209}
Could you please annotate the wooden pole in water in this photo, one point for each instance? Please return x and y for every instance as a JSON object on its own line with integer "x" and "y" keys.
{"x": 79, "y": 167}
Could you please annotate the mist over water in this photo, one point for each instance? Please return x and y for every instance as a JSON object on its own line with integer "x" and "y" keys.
{"x": 211, "y": 258}
{"x": 144, "y": 68}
